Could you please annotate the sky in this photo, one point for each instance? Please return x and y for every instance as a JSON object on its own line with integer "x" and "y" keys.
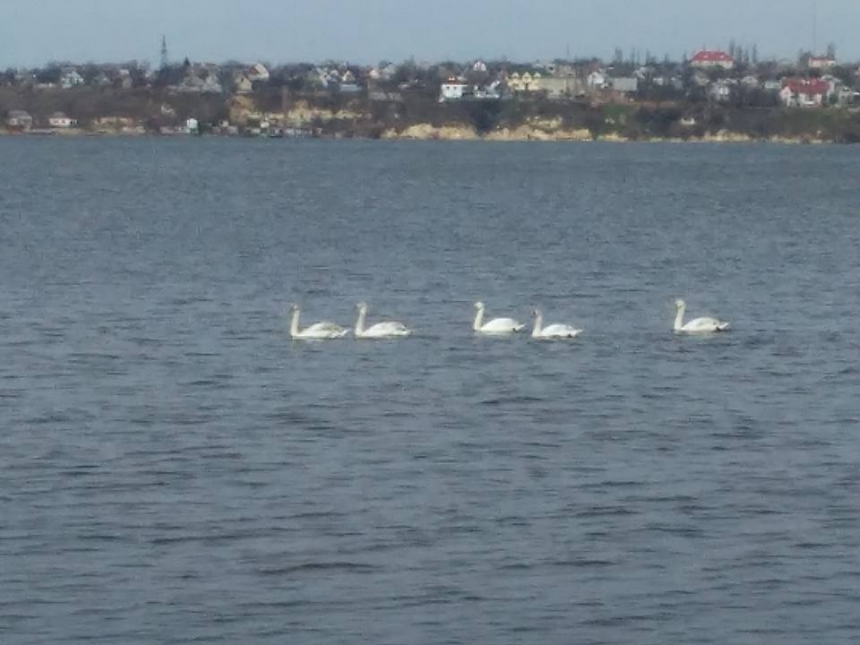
{"x": 368, "y": 31}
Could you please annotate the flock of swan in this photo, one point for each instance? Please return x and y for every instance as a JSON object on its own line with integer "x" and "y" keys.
{"x": 494, "y": 327}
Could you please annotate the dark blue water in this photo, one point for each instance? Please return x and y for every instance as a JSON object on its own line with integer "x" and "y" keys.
{"x": 173, "y": 469}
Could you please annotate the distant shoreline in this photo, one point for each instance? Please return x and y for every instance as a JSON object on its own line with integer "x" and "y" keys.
{"x": 426, "y": 132}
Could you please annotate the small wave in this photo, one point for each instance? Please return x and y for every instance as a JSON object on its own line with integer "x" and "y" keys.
{"x": 582, "y": 563}
{"x": 605, "y": 511}
{"x": 355, "y": 567}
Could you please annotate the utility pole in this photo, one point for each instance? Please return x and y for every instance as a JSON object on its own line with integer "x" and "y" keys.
{"x": 164, "y": 59}
{"x": 814, "y": 27}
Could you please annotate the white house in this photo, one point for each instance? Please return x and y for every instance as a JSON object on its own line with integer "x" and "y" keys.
{"x": 771, "y": 85}
{"x": 597, "y": 80}
{"x": 453, "y": 90}
{"x": 479, "y": 66}
{"x": 71, "y": 79}
{"x": 720, "y": 91}
{"x": 61, "y": 121}
{"x": 102, "y": 80}
{"x": 19, "y": 120}
{"x": 821, "y": 62}
{"x": 624, "y": 84}
{"x": 383, "y": 72}
{"x": 211, "y": 85}
{"x": 258, "y": 72}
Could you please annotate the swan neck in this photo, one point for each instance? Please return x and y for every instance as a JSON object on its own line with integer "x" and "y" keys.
{"x": 679, "y": 317}
{"x": 359, "y": 324}
{"x": 538, "y": 325}
{"x": 294, "y": 323}
{"x": 479, "y": 318}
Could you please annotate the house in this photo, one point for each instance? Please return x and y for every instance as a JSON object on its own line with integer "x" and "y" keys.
{"x": 258, "y": 73}
{"x": 453, "y": 89}
{"x": 701, "y": 79}
{"x": 491, "y": 91}
{"x": 385, "y": 71}
{"x": 102, "y": 80}
{"x": 772, "y": 85}
{"x": 479, "y": 66}
{"x": 197, "y": 85}
{"x": 597, "y": 80}
{"x": 19, "y": 120}
{"x": 349, "y": 88}
{"x": 712, "y": 59}
{"x": 720, "y": 91}
{"x": 821, "y": 62}
{"x": 558, "y": 88}
{"x": 211, "y": 85}
{"x": 71, "y": 79}
{"x": 803, "y": 92}
{"x": 61, "y": 121}
{"x": 24, "y": 77}
{"x": 625, "y": 84}
{"x": 125, "y": 80}
{"x": 750, "y": 81}
{"x": 244, "y": 85}
{"x": 525, "y": 82}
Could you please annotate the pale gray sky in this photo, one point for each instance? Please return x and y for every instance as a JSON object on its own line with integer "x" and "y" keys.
{"x": 366, "y": 31}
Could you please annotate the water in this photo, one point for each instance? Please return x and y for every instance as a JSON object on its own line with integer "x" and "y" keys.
{"x": 174, "y": 469}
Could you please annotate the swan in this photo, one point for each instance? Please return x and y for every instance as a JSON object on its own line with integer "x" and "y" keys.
{"x": 317, "y": 331}
{"x": 496, "y": 325}
{"x": 697, "y": 325}
{"x": 379, "y": 330}
{"x": 552, "y": 331}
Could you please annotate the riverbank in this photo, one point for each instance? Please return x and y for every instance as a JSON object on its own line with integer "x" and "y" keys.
{"x": 428, "y": 132}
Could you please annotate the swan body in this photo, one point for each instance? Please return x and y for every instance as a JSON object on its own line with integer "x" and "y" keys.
{"x": 552, "y": 331}
{"x": 317, "y": 331}
{"x": 697, "y": 325}
{"x": 379, "y": 330}
{"x": 496, "y": 326}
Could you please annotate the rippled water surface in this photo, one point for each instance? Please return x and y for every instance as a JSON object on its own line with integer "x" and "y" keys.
{"x": 173, "y": 469}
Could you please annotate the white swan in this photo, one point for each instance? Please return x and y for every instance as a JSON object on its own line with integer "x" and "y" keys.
{"x": 496, "y": 325}
{"x": 697, "y": 325}
{"x": 379, "y": 330}
{"x": 552, "y": 331}
{"x": 317, "y": 331}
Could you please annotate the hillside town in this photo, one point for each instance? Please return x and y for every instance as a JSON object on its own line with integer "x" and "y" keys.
{"x": 629, "y": 96}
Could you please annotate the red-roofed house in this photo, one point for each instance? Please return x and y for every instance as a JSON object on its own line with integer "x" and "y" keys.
{"x": 804, "y": 92}
{"x": 711, "y": 59}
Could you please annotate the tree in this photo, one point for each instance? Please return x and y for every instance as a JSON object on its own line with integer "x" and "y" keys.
{"x": 50, "y": 74}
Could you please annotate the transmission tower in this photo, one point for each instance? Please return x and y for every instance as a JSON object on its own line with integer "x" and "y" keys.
{"x": 164, "y": 60}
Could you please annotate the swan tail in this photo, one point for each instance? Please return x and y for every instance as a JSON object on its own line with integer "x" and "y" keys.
{"x": 723, "y": 326}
